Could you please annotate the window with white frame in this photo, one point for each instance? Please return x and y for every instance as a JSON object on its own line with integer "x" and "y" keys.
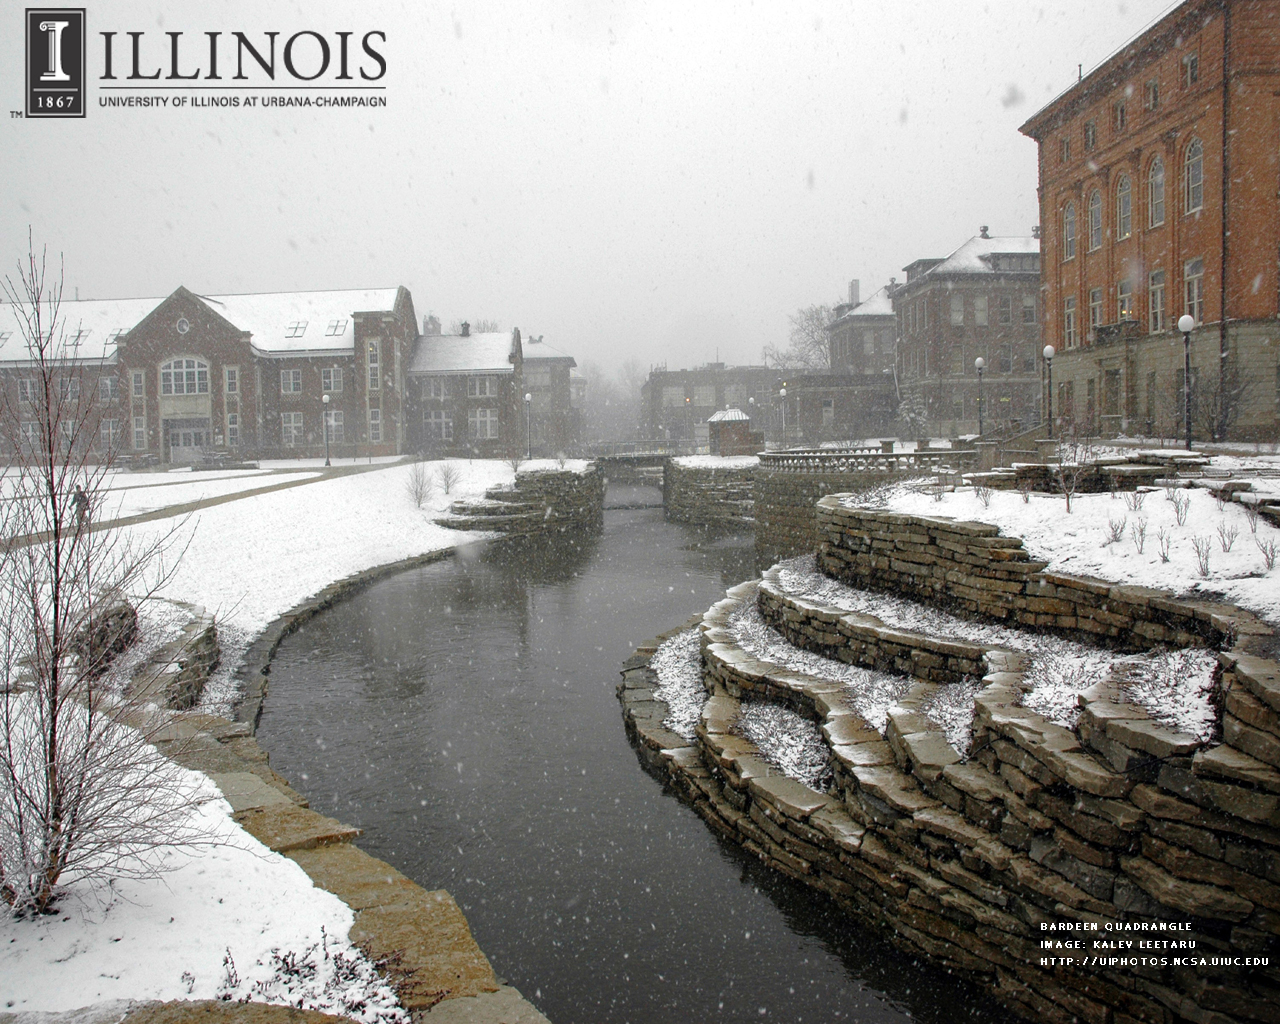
{"x": 1069, "y": 232}
{"x": 1090, "y": 135}
{"x": 1124, "y": 300}
{"x": 30, "y": 431}
{"x": 1155, "y": 193}
{"x": 1119, "y": 115}
{"x": 1095, "y": 220}
{"x": 373, "y": 361}
{"x": 704, "y": 395}
{"x": 109, "y": 434}
{"x": 375, "y": 425}
{"x": 333, "y": 426}
{"x": 1190, "y": 70}
{"x": 1004, "y": 311}
{"x": 291, "y": 429}
{"x": 107, "y": 389}
{"x": 69, "y": 389}
{"x": 1028, "y": 309}
{"x": 828, "y": 411}
{"x": 672, "y": 398}
{"x": 184, "y": 377}
{"x": 957, "y": 309}
{"x": 331, "y": 378}
{"x": 233, "y": 430}
{"x": 1151, "y": 95}
{"x": 483, "y": 423}
{"x": 139, "y": 433}
{"x": 1069, "y": 337}
{"x": 438, "y": 424}
{"x": 1124, "y": 207}
{"x": 296, "y": 329}
{"x": 980, "y": 310}
{"x": 1155, "y": 301}
{"x": 1193, "y": 277}
{"x": 139, "y": 384}
{"x": 26, "y": 389}
{"x": 1193, "y": 176}
{"x": 336, "y": 328}
{"x": 231, "y": 379}
{"x": 290, "y": 382}
{"x": 436, "y": 387}
{"x": 1064, "y": 150}
{"x": 1095, "y": 307}
{"x": 482, "y": 387}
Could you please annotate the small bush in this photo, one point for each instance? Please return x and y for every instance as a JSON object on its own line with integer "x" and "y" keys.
{"x": 1138, "y": 531}
{"x": 447, "y": 476}
{"x": 419, "y": 485}
{"x": 1251, "y": 517}
{"x": 1203, "y": 548}
{"x": 983, "y": 494}
{"x": 1268, "y": 549}
{"x": 1133, "y": 500}
{"x": 1227, "y": 535}
{"x": 1115, "y": 530}
{"x": 1163, "y": 539}
{"x": 1181, "y": 503}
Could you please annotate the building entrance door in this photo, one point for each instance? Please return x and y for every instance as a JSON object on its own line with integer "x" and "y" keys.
{"x": 187, "y": 440}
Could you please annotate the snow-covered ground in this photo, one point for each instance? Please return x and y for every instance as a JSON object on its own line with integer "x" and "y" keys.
{"x": 168, "y": 938}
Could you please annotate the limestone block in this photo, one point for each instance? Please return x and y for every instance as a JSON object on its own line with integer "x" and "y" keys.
{"x": 1185, "y": 897}
{"x": 284, "y": 827}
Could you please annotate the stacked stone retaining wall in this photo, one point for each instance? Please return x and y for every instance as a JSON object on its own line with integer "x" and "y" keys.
{"x": 1122, "y": 826}
{"x": 539, "y": 502}
{"x": 709, "y": 495}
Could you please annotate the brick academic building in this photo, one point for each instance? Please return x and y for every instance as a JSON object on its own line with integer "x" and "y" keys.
{"x": 188, "y": 377}
{"x": 1158, "y": 197}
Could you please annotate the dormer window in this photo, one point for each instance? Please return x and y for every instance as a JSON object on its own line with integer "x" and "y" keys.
{"x": 336, "y": 328}
{"x": 296, "y": 329}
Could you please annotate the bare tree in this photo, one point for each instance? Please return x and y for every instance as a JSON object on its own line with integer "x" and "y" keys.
{"x": 808, "y": 346}
{"x": 419, "y": 485}
{"x": 447, "y": 475}
{"x": 1076, "y": 459}
{"x": 83, "y": 795}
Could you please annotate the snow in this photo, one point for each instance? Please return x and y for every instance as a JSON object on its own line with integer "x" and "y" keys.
{"x": 951, "y": 708}
{"x": 718, "y": 461}
{"x": 578, "y": 466}
{"x": 678, "y": 665}
{"x": 788, "y": 741}
{"x": 1079, "y": 542}
{"x": 1176, "y": 689}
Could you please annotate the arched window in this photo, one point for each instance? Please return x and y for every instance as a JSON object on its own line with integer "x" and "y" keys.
{"x": 1155, "y": 193}
{"x": 1124, "y": 208}
{"x": 1095, "y": 220}
{"x": 1194, "y": 176}
{"x": 184, "y": 377}
{"x": 1069, "y": 232}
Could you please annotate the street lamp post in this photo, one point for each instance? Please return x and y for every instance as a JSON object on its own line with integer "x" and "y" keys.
{"x": 979, "y": 364}
{"x": 528, "y": 432}
{"x": 782, "y": 393}
{"x": 325, "y": 400}
{"x": 1186, "y": 324}
{"x": 1048, "y": 364}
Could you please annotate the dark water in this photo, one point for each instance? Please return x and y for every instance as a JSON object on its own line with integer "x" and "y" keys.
{"x": 464, "y": 715}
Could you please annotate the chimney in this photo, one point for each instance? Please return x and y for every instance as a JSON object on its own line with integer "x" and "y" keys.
{"x": 466, "y": 329}
{"x": 853, "y": 292}
{"x": 982, "y": 232}
{"x": 430, "y": 324}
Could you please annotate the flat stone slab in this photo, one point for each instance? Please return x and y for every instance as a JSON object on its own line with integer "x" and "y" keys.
{"x": 285, "y": 827}
{"x": 506, "y": 1006}
{"x": 432, "y": 940}
{"x": 357, "y": 879}
{"x": 245, "y": 791}
{"x": 794, "y": 799}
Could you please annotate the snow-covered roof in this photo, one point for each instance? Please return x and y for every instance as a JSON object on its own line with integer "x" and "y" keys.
{"x": 301, "y": 321}
{"x": 101, "y": 320}
{"x": 489, "y": 352}
{"x": 276, "y": 321}
{"x": 877, "y": 304}
{"x": 727, "y": 416}
{"x": 536, "y": 348}
{"x": 974, "y": 257}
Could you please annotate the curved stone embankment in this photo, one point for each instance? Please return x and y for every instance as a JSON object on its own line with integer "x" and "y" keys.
{"x": 1116, "y": 823}
{"x": 538, "y": 501}
{"x": 694, "y": 491}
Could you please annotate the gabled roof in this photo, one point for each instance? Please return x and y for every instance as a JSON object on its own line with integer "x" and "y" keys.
{"x": 536, "y": 348}
{"x": 878, "y": 303}
{"x": 455, "y": 353}
{"x": 276, "y": 321}
{"x": 728, "y": 416}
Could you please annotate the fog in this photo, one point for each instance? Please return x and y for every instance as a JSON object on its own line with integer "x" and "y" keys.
{"x": 647, "y": 181}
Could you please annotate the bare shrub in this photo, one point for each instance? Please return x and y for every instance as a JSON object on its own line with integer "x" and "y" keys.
{"x": 983, "y": 494}
{"x": 561, "y": 459}
{"x": 419, "y": 484}
{"x": 1134, "y": 500}
{"x": 1181, "y": 503}
{"x": 1163, "y": 539}
{"x": 1251, "y": 517}
{"x": 1203, "y": 548}
{"x": 1076, "y": 457}
{"x": 1227, "y": 535}
{"x": 1268, "y": 549}
{"x": 1024, "y": 488}
{"x": 1219, "y": 500}
{"x": 1138, "y": 531}
{"x": 1170, "y": 492}
{"x": 447, "y": 475}
{"x": 1115, "y": 530}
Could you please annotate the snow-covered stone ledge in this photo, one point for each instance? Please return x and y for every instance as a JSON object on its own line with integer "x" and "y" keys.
{"x": 710, "y": 490}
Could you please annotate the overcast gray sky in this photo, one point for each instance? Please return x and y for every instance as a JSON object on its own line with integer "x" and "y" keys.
{"x": 657, "y": 181}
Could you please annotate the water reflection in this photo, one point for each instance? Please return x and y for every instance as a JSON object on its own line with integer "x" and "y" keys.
{"x": 464, "y": 715}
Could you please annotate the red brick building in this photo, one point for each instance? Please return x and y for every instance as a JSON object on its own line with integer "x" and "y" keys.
{"x": 979, "y": 302}
{"x": 1158, "y": 198}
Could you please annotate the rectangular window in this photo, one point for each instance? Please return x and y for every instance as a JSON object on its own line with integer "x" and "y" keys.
{"x": 336, "y": 328}
{"x": 296, "y": 329}
{"x": 69, "y": 389}
{"x": 486, "y": 387}
{"x": 1028, "y": 309}
{"x": 333, "y": 426}
{"x": 231, "y": 379}
{"x": 233, "y": 429}
{"x": 868, "y": 344}
{"x": 1090, "y": 135}
{"x": 1064, "y": 151}
{"x": 1005, "y": 312}
{"x": 438, "y": 423}
{"x": 1151, "y": 95}
{"x": 331, "y": 379}
{"x": 1193, "y": 276}
{"x": 1069, "y": 321}
{"x": 30, "y": 433}
{"x": 704, "y": 395}
{"x": 483, "y": 423}
{"x": 1190, "y": 70}
{"x": 437, "y": 387}
{"x": 109, "y": 435}
{"x": 290, "y": 382}
{"x": 139, "y": 433}
{"x": 1124, "y": 300}
{"x": 672, "y": 398}
{"x": 1004, "y": 359}
{"x": 957, "y": 310}
{"x": 107, "y": 389}
{"x": 1155, "y": 301}
{"x": 1090, "y": 402}
{"x": 139, "y": 384}
{"x": 26, "y": 389}
{"x": 291, "y": 433}
{"x": 1119, "y": 115}
{"x": 980, "y": 310}
{"x": 1095, "y": 307}
{"x": 375, "y": 426}
{"x": 372, "y": 360}
{"x": 828, "y": 411}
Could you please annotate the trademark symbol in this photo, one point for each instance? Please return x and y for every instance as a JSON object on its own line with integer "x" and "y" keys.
{"x": 15, "y": 113}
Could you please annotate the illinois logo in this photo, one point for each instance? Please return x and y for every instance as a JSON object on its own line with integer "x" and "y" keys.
{"x": 55, "y": 62}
